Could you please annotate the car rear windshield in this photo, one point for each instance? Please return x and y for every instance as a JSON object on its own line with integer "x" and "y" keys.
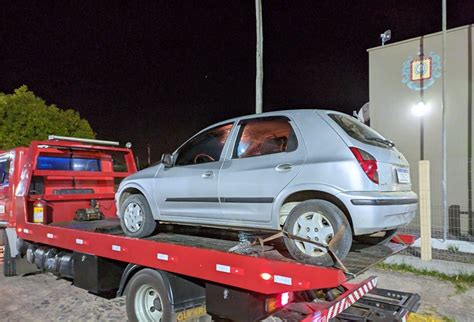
{"x": 68, "y": 164}
{"x": 360, "y": 132}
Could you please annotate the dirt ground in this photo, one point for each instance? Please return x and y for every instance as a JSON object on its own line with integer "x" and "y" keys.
{"x": 43, "y": 297}
{"x": 438, "y": 298}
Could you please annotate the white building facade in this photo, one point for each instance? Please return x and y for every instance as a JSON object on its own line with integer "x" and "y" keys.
{"x": 403, "y": 74}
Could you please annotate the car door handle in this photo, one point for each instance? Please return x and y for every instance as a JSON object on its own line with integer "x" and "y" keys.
{"x": 207, "y": 175}
{"x": 284, "y": 167}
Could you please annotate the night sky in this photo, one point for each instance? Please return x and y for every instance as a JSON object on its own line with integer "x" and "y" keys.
{"x": 158, "y": 71}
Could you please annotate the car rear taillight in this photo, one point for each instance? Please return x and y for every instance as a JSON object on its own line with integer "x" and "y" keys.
{"x": 368, "y": 163}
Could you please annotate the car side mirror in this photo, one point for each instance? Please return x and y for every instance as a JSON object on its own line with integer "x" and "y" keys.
{"x": 167, "y": 160}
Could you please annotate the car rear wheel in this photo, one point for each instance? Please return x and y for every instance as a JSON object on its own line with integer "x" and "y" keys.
{"x": 136, "y": 217}
{"x": 322, "y": 222}
{"x": 377, "y": 238}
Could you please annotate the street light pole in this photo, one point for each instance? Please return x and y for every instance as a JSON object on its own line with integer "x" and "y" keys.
{"x": 259, "y": 58}
{"x": 443, "y": 130}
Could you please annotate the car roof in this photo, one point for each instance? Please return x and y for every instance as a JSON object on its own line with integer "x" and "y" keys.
{"x": 296, "y": 113}
{"x": 291, "y": 113}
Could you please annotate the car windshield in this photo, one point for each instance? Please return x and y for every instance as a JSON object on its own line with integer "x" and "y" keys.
{"x": 205, "y": 147}
{"x": 360, "y": 132}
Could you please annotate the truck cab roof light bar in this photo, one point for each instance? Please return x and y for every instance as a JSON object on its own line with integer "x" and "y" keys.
{"x": 72, "y": 139}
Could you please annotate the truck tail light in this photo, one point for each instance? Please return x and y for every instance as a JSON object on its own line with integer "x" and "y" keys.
{"x": 368, "y": 163}
{"x": 277, "y": 302}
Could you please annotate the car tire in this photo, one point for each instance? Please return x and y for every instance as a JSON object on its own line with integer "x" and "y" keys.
{"x": 136, "y": 217}
{"x": 321, "y": 221}
{"x": 147, "y": 298}
{"x": 375, "y": 240}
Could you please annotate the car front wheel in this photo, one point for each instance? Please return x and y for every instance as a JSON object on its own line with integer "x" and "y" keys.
{"x": 136, "y": 217}
{"x": 318, "y": 221}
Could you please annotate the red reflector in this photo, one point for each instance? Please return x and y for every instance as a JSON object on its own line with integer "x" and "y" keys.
{"x": 266, "y": 276}
{"x": 367, "y": 163}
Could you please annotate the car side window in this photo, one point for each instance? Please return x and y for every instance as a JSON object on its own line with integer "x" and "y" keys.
{"x": 205, "y": 147}
{"x": 264, "y": 136}
{"x": 4, "y": 172}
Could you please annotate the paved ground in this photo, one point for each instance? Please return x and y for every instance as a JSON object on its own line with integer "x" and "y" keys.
{"x": 437, "y": 297}
{"x": 44, "y": 298}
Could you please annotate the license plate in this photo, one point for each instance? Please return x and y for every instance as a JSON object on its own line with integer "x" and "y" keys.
{"x": 403, "y": 175}
{"x": 192, "y": 313}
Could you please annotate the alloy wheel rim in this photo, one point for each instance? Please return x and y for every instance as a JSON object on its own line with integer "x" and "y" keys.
{"x": 133, "y": 217}
{"x": 315, "y": 227}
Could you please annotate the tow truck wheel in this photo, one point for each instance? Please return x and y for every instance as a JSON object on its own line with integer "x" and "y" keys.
{"x": 9, "y": 264}
{"x": 322, "y": 222}
{"x": 147, "y": 297}
{"x": 136, "y": 217}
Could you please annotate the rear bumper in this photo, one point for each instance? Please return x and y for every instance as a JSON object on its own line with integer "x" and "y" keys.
{"x": 376, "y": 211}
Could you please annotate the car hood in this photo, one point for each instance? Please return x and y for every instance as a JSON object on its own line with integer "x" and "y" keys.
{"x": 143, "y": 174}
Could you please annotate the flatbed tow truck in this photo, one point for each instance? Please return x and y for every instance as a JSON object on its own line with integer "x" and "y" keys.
{"x": 57, "y": 213}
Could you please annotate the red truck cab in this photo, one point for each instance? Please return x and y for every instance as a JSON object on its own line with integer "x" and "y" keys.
{"x": 60, "y": 175}
{"x": 8, "y": 162}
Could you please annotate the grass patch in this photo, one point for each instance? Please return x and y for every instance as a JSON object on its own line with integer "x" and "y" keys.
{"x": 448, "y": 319}
{"x": 462, "y": 282}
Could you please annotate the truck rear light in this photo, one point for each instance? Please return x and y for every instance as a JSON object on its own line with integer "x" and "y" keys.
{"x": 284, "y": 298}
{"x": 368, "y": 163}
{"x": 274, "y": 303}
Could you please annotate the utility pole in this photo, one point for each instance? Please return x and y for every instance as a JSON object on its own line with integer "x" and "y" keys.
{"x": 259, "y": 58}
{"x": 149, "y": 154}
{"x": 444, "y": 191}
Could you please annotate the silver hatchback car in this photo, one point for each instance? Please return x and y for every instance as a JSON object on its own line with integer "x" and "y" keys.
{"x": 319, "y": 175}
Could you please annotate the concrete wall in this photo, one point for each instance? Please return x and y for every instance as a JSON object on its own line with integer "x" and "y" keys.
{"x": 391, "y": 102}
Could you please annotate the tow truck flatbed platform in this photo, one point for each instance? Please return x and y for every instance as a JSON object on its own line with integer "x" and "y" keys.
{"x": 209, "y": 259}
{"x": 360, "y": 258}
